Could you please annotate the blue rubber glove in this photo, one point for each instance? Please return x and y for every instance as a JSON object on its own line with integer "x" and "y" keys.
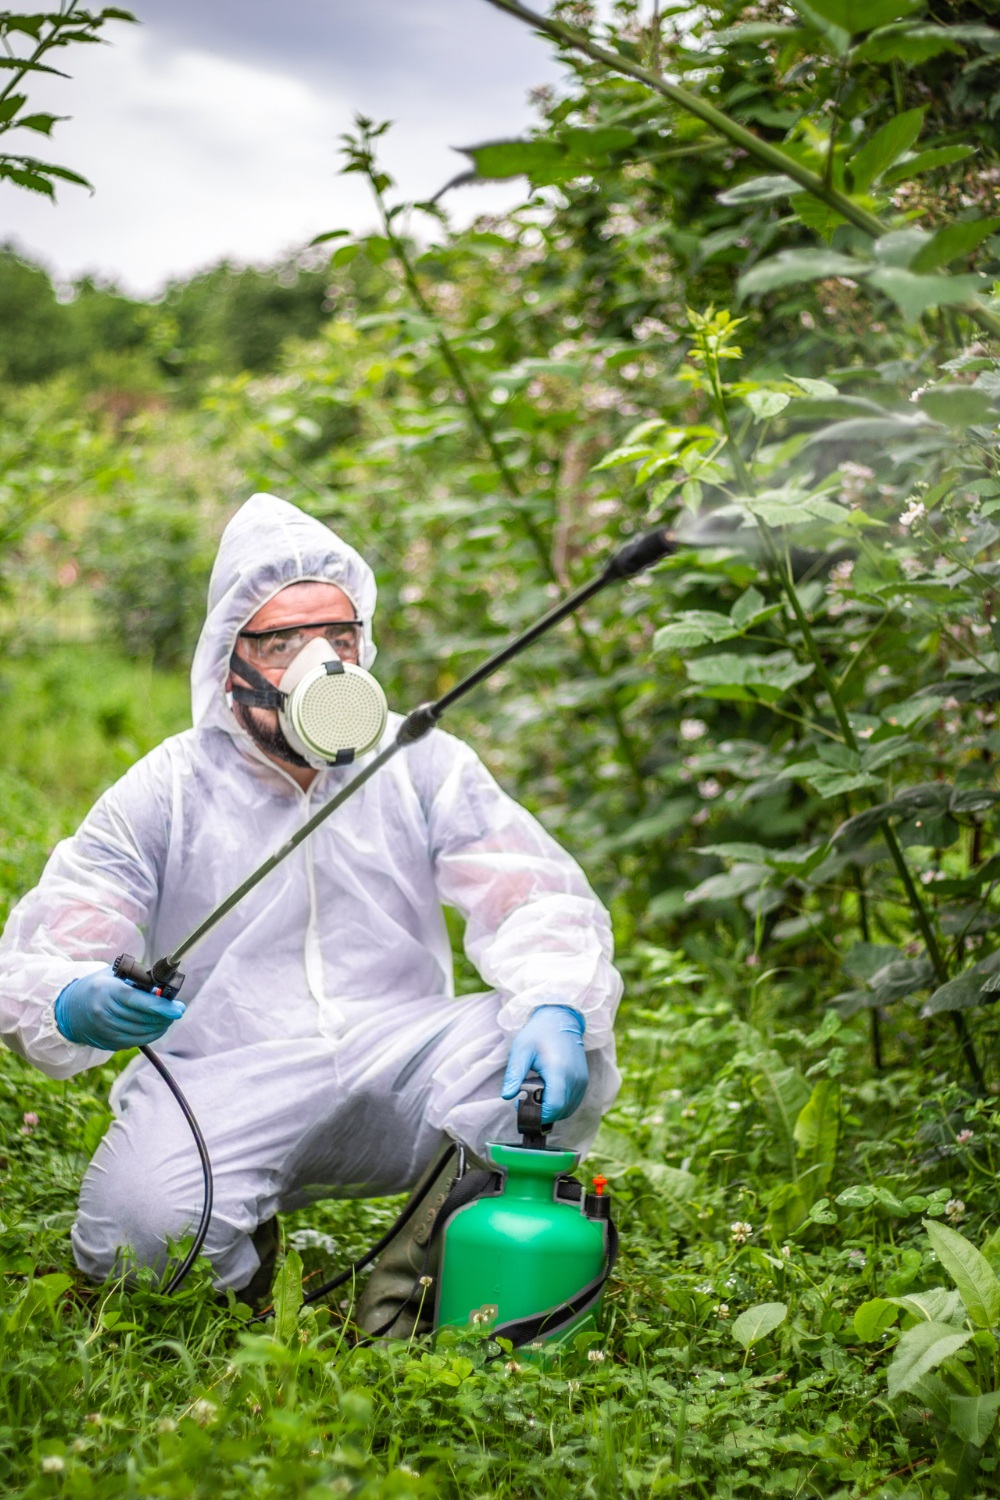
{"x": 551, "y": 1042}
{"x": 100, "y": 1010}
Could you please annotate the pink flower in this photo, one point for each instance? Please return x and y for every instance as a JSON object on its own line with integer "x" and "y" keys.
{"x": 30, "y": 1121}
{"x": 964, "y": 1135}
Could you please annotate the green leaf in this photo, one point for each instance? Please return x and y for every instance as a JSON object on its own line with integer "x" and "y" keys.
{"x": 914, "y": 294}
{"x": 590, "y": 142}
{"x": 10, "y": 106}
{"x": 41, "y": 123}
{"x": 759, "y": 190}
{"x": 344, "y": 255}
{"x": 952, "y": 241}
{"x": 696, "y": 627}
{"x": 902, "y": 978}
{"x": 331, "y": 234}
{"x": 913, "y": 42}
{"x": 969, "y": 1270}
{"x": 817, "y": 1129}
{"x": 821, "y": 389}
{"x": 750, "y": 607}
{"x": 782, "y": 1092}
{"x": 853, "y": 16}
{"x": 957, "y": 405}
{"x": 747, "y": 678}
{"x": 500, "y": 159}
{"x": 865, "y": 959}
{"x": 876, "y": 756}
{"x": 857, "y": 831}
{"x": 288, "y": 1297}
{"x": 757, "y": 1322}
{"x": 962, "y": 993}
{"x": 974, "y": 1417}
{"x": 926, "y": 161}
{"x": 796, "y": 265}
{"x": 873, "y": 1318}
{"x": 734, "y": 882}
{"x": 766, "y": 404}
{"x": 830, "y": 781}
{"x": 858, "y": 1196}
{"x": 921, "y": 1348}
{"x": 885, "y": 148}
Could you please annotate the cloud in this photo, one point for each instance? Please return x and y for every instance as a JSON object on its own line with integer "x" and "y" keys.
{"x": 213, "y": 130}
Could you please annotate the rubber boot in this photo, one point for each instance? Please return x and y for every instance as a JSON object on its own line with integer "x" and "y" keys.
{"x": 391, "y": 1281}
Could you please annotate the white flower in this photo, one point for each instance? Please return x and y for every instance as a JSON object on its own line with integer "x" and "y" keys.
{"x": 53, "y": 1464}
{"x": 740, "y": 1231}
{"x": 596, "y": 1356}
{"x": 914, "y": 512}
{"x": 693, "y": 729}
{"x": 723, "y": 1310}
{"x": 512, "y": 1367}
{"x": 786, "y": 1252}
{"x": 204, "y": 1412}
{"x": 709, "y": 788}
{"x": 955, "y": 1210}
{"x": 167, "y": 1424}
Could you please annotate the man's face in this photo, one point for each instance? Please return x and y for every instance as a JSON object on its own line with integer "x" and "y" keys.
{"x": 270, "y": 641}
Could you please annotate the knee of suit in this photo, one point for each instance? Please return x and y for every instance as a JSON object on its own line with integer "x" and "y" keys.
{"x": 128, "y": 1216}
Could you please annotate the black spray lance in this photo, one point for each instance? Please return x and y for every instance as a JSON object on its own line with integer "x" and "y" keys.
{"x": 164, "y": 976}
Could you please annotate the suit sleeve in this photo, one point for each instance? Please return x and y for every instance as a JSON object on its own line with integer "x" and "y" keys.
{"x": 534, "y": 928}
{"x": 97, "y": 895}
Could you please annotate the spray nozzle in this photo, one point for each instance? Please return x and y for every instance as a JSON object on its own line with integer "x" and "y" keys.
{"x": 644, "y": 552}
{"x": 529, "y": 1113}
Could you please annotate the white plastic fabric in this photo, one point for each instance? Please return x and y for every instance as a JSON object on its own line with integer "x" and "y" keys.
{"x": 338, "y": 966}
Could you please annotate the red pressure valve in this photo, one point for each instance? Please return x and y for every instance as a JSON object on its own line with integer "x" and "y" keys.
{"x": 600, "y": 1183}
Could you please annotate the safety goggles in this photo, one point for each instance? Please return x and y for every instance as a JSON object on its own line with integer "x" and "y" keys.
{"x": 278, "y": 648}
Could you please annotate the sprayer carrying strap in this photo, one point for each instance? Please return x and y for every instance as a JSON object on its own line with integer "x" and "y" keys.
{"x": 543, "y": 1325}
{"x": 261, "y": 693}
{"x": 463, "y": 1191}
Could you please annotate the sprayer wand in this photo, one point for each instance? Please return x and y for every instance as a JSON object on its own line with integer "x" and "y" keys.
{"x": 634, "y": 557}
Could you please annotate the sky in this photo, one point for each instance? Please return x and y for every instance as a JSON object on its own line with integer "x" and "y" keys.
{"x": 212, "y": 128}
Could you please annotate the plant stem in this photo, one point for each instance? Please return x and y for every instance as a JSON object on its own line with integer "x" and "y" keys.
{"x": 629, "y": 752}
{"x": 763, "y": 151}
{"x": 782, "y": 564}
{"x": 876, "y": 1031}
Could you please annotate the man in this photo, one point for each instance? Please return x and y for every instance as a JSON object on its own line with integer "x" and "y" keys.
{"x": 317, "y": 1036}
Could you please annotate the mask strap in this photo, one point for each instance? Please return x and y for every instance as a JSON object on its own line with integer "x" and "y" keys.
{"x": 261, "y": 693}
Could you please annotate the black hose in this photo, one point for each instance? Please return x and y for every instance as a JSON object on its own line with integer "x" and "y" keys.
{"x": 206, "y": 1170}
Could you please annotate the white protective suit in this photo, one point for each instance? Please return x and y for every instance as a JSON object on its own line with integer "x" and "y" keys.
{"x": 322, "y": 1049}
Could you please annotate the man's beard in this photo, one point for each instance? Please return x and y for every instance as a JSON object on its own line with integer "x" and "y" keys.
{"x": 268, "y": 736}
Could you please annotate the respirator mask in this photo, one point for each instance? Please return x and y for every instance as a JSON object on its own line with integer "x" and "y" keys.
{"x": 330, "y": 710}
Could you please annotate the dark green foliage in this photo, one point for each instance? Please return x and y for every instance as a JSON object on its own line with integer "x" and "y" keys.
{"x": 150, "y": 569}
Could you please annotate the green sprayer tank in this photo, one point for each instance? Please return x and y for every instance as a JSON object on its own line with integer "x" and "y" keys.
{"x": 525, "y": 1249}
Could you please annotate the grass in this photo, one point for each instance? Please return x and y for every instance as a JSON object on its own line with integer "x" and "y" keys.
{"x": 106, "y": 1392}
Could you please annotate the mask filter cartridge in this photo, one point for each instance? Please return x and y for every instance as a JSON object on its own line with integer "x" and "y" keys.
{"x": 329, "y": 711}
{"x": 333, "y": 710}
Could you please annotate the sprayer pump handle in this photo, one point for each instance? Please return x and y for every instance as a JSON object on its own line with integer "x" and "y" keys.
{"x": 644, "y": 552}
